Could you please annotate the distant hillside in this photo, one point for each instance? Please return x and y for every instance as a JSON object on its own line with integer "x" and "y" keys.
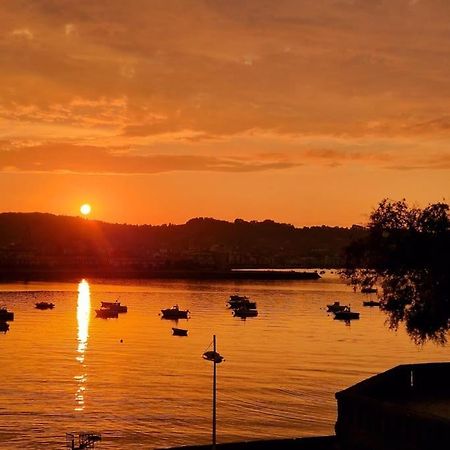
{"x": 44, "y": 242}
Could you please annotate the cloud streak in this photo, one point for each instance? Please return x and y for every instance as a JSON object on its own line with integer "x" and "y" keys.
{"x": 66, "y": 158}
{"x": 61, "y": 157}
{"x": 225, "y": 68}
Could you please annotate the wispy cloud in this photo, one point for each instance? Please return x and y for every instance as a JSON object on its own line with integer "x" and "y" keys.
{"x": 65, "y": 158}
{"x": 24, "y": 33}
{"x": 433, "y": 162}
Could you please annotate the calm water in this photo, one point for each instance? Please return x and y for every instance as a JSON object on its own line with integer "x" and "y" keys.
{"x": 65, "y": 369}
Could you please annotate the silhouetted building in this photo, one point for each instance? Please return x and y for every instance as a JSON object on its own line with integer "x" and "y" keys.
{"x": 405, "y": 408}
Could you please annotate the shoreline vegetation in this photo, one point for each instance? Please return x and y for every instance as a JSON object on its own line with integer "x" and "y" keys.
{"x": 406, "y": 253}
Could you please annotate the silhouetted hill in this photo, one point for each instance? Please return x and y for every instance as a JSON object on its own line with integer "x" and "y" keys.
{"x": 36, "y": 241}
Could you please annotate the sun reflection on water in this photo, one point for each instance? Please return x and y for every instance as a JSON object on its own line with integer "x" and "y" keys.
{"x": 83, "y": 316}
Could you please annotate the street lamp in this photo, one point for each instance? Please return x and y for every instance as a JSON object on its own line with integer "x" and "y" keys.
{"x": 216, "y": 358}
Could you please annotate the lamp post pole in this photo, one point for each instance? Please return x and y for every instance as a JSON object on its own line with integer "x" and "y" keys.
{"x": 214, "y": 399}
{"x": 216, "y": 358}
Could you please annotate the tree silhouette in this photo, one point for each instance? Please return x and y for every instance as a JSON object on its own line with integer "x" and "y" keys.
{"x": 407, "y": 252}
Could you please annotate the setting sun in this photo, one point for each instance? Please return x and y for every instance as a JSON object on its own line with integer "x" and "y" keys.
{"x": 85, "y": 209}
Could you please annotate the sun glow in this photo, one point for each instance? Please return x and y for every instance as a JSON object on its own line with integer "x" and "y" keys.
{"x": 85, "y": 209}
{"x": 83, "y": 316}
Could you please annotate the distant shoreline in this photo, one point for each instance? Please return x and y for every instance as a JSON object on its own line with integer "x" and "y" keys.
{"x": 58, "y": 275}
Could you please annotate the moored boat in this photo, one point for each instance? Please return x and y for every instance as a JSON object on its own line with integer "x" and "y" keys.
{"x": 237, "y": 298}
{"x": 237, "y": 301}
{"x": 371, "y": 303}
{"x": 45, "y": 305}
{"x": 369, "y": 290}
{"x": 174, "y": 313}
{"x": 243, "y": 312}
{"x": 245, "y": 304}
{"x": 346, "y": 314}
{"x": 5, "y": 315}
{"x": 179, "y": 331}
{"x": 335, "y": 307}
{"x": 106, "y": 313}
{"x": 116, "y": 306}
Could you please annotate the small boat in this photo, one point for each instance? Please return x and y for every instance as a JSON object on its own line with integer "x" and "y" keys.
{"x": 106, "y": 313}
{"x": 237, "y": 298}
{"x": 371, "y": 303}
{"x": 179, "y": 332}
{"x": 346, "y": 314}
{"x": 237, "y": 301}
{"x": 242, "y": 304}
{"x": 174, "y": 313}
{"x": 243, "y": 312}
{"x": 369, "y": 290}
{"x": 5, "y": 315}
{"x": 115, "y": 306}
{"x": 336, "y": 307}
{"x": 45, "y": 305}
{"x": 4, "y": 327}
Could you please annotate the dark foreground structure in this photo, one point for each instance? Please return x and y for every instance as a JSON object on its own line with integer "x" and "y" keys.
{"x": 405, "y": 408}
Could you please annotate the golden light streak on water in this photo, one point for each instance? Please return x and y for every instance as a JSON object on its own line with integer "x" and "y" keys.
{"x": 83, "y": 317}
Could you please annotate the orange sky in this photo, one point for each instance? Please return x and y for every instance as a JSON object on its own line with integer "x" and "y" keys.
{"x": 305, "y": 112}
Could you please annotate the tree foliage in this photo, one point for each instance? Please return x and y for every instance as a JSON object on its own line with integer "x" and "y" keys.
{"x": 407, "y": 252}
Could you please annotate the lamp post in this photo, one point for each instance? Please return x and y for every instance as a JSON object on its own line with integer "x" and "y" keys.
{"x": 216, "y": 358}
